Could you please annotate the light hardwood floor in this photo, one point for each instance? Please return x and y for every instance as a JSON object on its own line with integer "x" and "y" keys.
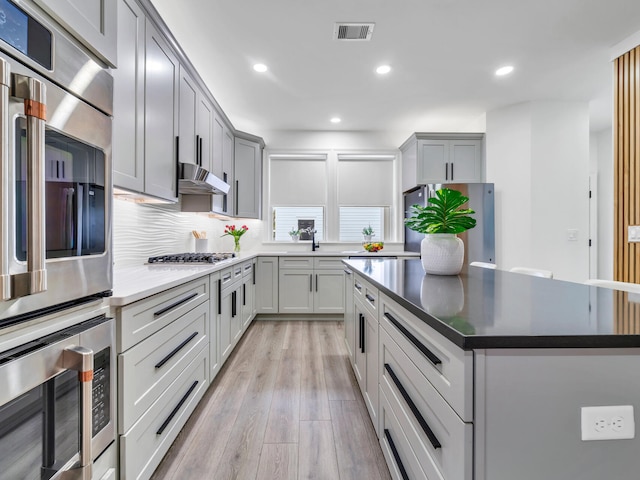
{"x": 285, "y": 406}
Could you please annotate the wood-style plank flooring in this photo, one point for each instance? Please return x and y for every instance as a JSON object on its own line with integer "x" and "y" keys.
{"x": 286, "y": 405}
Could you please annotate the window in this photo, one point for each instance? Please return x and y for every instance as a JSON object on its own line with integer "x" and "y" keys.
{"x": 354, "y": 219}
{"x": 340, "y": 193}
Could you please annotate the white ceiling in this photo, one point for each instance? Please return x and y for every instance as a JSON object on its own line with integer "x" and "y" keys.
{"x": 443, "y": 54}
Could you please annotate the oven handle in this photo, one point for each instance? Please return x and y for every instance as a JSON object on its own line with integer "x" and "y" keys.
{"x": 5, "y": 84}
{"x": 81, "y": 359}
{"x": 33, "y": 92}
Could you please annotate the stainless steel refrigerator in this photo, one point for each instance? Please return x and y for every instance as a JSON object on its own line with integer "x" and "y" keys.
{"x": 480, "y": 240}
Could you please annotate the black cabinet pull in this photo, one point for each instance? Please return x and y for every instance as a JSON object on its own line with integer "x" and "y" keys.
{"x": 451, "y": 170}
{"x": 359, "y": 287}
{"x": 200, "y": 156}
{"x": 396, "y": 455}
{"x": 177, "y": 163}
{"x": 419, "y": 345}
{"x": 360, "y": 331}
{"x": 174, "y": 305}
{"x": 198, "y": 150}
{"x": 362, "y": 337}
{"x": 219, "y": 297}
{"x": 370, "y": 298}
{"x": 412, "y": 406}
{"x": 446, "y": 171}
{"x": 165, "y": 424}
{"x": 316, "y": 282}
{"x": 233, "y": 304}
{"x": 224, "y": 197}
{"x": 310, "y": 283}
{"x": 244, "y": 294}
{"x": 253, "y": 272}
{"x": 161, "y": 363}
{"x": 237, "y": 194}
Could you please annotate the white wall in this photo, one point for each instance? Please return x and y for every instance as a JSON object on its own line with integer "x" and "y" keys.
{"x": 538, "y": 157}
{"x": 602, "y": 166}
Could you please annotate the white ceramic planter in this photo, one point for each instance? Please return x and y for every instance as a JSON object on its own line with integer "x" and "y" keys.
{"x": 295, "y": 238}
{"x": 442, "y": 254}
{"x": 367, "y": 238}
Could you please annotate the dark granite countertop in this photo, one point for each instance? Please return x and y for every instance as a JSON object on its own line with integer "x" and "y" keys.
{"x": 482, "y": 308}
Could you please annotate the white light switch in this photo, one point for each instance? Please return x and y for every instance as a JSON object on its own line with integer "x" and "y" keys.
{"x": 633, "y": 233}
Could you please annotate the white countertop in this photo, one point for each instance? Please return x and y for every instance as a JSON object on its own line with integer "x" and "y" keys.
{"x": 134, "y": 283}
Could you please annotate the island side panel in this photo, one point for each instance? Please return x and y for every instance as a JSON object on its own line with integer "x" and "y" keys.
{"x": 528, "y": 413}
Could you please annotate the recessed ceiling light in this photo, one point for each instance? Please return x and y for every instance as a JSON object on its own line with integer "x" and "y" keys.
{"x": 506, "y": 70}
{"x": 260, "y": 67}
{"x": 382, "y": 69}
{"x": 336, "y": 120}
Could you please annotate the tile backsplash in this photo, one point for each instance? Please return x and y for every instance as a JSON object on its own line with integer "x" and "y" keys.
{"x": 144, "y": 230}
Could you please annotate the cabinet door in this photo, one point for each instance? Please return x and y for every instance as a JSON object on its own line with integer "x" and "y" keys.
{"x": 349, "y": 316}
{"x": 189, "y": 144}
{"x": 465, "y": 158}
{"x": 161, "y": 117}
{"x": 228, "y": 174}
{"x": 248, "y": 178}
{"x": 128, "y": 99}
{"x": 247, "y": 301}
{"x": 433, "y": 161}
{"x": 205, "y": 132}
{"x": 236, "y": 316}
{"x": 267, "y": 285}
{"x": 370, "y": 343}
{"x": 227, "y": 309}
{"x": 215, "y": 304}
{"x": 328, "y": 291}
{"x": 295, "y": 291}
{"x": 93, "y": 22}
{"x": 359, "y": 357}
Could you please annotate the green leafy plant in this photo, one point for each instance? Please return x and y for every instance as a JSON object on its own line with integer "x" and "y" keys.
{"x": 442, "y": 215}
{"x": 294, "y": 233}
{"x": 367, "y": 230}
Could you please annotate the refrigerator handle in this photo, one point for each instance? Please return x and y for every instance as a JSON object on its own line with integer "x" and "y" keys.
{"x": 5, "y": 83}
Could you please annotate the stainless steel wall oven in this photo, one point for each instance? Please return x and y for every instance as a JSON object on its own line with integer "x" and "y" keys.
{"x": 55, "y": 175}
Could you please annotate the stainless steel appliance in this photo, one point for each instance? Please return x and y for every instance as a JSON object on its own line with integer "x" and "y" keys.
{"x": 480, "y": 240}
{"x": 55, "y": 173}
{"x": 57, "y": 402}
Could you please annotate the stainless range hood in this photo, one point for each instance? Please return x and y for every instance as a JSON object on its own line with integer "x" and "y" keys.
{"x": 195, "y": 180}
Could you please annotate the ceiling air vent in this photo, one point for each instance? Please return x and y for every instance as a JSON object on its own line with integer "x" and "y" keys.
{"x": 353, "y": 31}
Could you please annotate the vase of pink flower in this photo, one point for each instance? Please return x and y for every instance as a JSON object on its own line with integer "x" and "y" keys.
{"x": 236, "y": 233}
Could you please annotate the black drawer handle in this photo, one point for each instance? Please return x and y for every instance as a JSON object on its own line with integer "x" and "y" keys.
{"x": 363, "y": 324}
{"x": 360, "y": 331}
{"x": 234, "y": 305}
{"x": 412, "y": 406}
{"x": 425, "y": 351}
{"x": 161, "y": 363}
{"x": 219, "y": 297}
{"x": 244, "y": 294}
{"x": 174, "y": 305}
{"x": 165, "y": 424}
{"x": 359, "y": 287}
{"x": 253, "y": 273}
{"x": 370, "y": 298}
{"x": 396, "y": 455}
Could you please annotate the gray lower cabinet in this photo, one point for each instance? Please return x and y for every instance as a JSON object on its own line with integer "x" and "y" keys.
{"x": 93, "y": 22}
{"x": 311, "y": 285}
{"x": 146, "y": 94}
{"x": 231, "y": 308}
{"x": 349, "y": 314}
{"x": 215, "y": 305}
{"x": 248, "y": 293}
{"x": 267, "y": 273}
{"x": 247, "y": 178}
{"x": 163, "y": 369}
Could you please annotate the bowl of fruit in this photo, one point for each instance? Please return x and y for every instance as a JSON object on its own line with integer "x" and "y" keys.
{"x": 373, "y": 246}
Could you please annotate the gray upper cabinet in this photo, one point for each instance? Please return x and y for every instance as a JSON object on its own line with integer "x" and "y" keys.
{"x": 162, "y": 78}
{"x": 93, "y": 22}
{"x": 248, "y": 178}
{"x": 128, "y": 99}
{"x": 442, "y": 158}
{"x": 222, "y": 163}
{"x": 196, "y": 123}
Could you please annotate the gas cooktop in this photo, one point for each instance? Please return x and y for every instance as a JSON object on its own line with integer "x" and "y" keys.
{"x": 191, "y": 258}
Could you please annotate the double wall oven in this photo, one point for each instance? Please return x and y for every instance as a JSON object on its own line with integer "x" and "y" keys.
{"x": 57, "y": 370}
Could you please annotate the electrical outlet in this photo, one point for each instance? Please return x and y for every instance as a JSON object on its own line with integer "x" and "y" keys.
{"x": 633, "y": 233}
{"x": 608, "y": 423}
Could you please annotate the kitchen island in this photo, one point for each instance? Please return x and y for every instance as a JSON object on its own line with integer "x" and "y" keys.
{"x": 484, "y": 375}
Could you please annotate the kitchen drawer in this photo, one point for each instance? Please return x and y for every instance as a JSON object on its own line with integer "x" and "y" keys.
{"x": 367, "y": 294}
{"x": 328, "y": 263}
{"x": 400, "y": 458}
{"x": 247, "y": 268}
{"x": 448, "y": 368}
{"x": 296, "y": 262}
{"x": 440, "y": 440}
{"x": 139, "y": 320}
{"x": 238, "y": 271}
{"x": 145, "y": 444}
{"x": 146, "y": 370}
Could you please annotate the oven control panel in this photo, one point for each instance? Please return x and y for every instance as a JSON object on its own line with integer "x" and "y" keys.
{"x": 101, "y": 389}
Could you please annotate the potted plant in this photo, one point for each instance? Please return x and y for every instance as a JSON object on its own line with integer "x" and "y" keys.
{"x": 236, "y": 233}
{"x": 441, "y": 251}
{"x": 295, "y": 234}
{"x": 367, "y": 233}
